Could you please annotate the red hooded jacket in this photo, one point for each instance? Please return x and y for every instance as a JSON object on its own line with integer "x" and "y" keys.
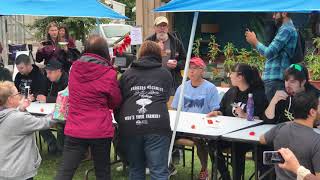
{"x": 93, "y": 91}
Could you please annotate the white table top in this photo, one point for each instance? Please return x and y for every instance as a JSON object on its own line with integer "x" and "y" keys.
{"x": 250, "y": 134}
{"x": 41, "y": 108}
{"x": 196, "y": 123}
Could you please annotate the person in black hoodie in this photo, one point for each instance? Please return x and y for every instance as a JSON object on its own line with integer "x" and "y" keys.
{"x": 245, "y": 79}
{"x": 57, "y": 81}
{"x": 296, "y": 80}
{"x": 144, "y": 122}
{"x": 30, "y": 75}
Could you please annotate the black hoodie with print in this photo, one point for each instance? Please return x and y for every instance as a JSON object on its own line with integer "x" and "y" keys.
{"x": 35, "y": 79}
{"x": 234, "y": 95}
{"x": 145, "y": 89}
{"x": 283, "y": 112}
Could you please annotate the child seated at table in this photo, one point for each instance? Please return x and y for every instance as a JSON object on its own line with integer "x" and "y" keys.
{"x": 19, "y": 155}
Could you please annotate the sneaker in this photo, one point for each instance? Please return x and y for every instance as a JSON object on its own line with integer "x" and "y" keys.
{"x": 204, "y": 175}
{"x": 172, "y": 170}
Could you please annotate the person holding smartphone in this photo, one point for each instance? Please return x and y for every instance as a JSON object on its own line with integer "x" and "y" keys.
{"x": 292, "y": 164}
{"x": 298, "y": 135}
{"x": 51, "y": 49}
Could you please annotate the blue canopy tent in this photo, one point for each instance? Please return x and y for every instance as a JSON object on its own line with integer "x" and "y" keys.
{"x": 70, "y": 8}
{"x": 196, "y": 6}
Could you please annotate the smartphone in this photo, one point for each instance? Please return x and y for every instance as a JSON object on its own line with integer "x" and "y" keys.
{"x": 272, "y": 157}
{"x": 46, "y": 43}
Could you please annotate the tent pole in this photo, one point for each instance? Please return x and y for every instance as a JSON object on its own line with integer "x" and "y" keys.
{"x": 98, "y": 26}
{"x": 186, "y": 68}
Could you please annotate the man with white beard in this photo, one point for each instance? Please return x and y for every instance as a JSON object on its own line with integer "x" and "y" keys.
{"x": 172, "y": 50}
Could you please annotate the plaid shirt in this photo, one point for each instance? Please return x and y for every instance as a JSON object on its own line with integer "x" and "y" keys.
{"x": 277, "y": 52}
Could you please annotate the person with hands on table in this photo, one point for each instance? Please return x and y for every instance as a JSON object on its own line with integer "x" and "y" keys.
{"x": 296, "y": 80}
{"x": 298, "y": 135}
{"x": 29, "y": 75}
{"x": 200, "y": 96}
{"x": 57, "y": 81}
{"x": 292, "y": 164}
{"x": 245, "y": 79}
{"x": 19, "y": 155}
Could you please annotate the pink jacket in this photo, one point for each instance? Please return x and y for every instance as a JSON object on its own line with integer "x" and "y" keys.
{"x": 93, "y": 92}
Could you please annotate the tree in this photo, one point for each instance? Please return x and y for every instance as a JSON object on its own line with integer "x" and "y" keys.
{"x": 129, "y": 5}
{"x": 78, "y": 27}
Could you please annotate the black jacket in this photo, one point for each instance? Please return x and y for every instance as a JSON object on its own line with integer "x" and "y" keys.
{"x": 5, "y": 74}
{"x": 234, "y": 95}
{"x": 35, "y": 79}
{"x": 283, "y": 111}
{"x": 145, "y": 89}
{"x": 175, "y": 46}
{"x": 55, "y": 87}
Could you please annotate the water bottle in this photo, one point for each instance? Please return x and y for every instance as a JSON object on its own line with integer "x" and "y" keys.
{"x": 250, "y": 108}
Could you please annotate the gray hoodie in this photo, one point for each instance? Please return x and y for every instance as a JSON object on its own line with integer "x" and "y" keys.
{"x": 19, "y": 155}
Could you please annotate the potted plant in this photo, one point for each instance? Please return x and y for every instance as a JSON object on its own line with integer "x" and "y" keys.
{"x": 213, "y": 49}
{"x": 313, "y": 64}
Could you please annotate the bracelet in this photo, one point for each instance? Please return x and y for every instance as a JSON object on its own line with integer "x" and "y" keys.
{"x": 302, "y": 172}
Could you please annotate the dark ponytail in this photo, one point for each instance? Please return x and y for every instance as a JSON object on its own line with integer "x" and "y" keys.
{"x": 250, "y": 74}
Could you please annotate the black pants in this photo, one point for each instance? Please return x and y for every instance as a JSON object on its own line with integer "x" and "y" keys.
{"x": 74, "y": 150}
{"x": 30, "y": 178}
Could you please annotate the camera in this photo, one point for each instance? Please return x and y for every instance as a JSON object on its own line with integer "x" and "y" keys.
{"x": 272, "y": 157}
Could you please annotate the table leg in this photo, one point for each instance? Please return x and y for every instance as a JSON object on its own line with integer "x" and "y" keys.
{"x": 256, "y": 175}
{"x": 233, "y": 161}
{"x": 213, "y": 150}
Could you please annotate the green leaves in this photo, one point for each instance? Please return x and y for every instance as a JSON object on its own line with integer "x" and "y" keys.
{"x": 79, "y": 28}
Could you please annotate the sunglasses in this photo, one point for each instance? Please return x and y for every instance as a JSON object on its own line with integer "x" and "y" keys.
{"x": 296, "y": 67}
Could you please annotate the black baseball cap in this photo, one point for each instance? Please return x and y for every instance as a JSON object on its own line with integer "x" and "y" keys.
{"x": 53, "y": 64}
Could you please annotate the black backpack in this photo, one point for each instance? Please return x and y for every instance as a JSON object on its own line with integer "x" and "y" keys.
{"x": 299, "y": 53}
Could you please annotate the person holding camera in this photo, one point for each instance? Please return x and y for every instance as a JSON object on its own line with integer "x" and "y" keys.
{"x": 292, "y": 164}
{"x": 298, "y": 135}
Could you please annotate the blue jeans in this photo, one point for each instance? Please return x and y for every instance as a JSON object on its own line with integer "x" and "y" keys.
{"x": 271, "y": 86}
{"x": 147, "y": 151}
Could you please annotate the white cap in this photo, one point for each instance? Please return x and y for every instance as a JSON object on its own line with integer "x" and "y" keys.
{"x": 160, "y": 19}
{"x": 250, "y": 95}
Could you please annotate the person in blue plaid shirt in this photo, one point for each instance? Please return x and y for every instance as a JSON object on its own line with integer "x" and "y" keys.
{"x": 278, "y": 53}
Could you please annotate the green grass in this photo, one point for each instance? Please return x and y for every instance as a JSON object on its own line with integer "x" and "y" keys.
{"x": 50, "y": 165}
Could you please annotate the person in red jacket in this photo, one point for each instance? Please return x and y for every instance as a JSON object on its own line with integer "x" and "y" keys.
{"x": 93, "y": 92}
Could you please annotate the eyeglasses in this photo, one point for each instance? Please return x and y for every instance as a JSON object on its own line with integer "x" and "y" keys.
{"x": 296, "y": 67}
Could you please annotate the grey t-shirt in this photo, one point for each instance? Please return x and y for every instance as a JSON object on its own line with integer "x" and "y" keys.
{"x": 303, "y": 141}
